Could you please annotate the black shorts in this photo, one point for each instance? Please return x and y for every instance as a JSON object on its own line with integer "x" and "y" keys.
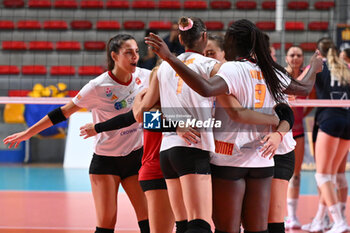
{"x": 236, "y": 173}
{"x": 122, "y": 166}
{"x": 180, "y": 161}
{"x": 284, "y": 166}
{"x": 337, "y": 126}
{"x": 153, "y": 184}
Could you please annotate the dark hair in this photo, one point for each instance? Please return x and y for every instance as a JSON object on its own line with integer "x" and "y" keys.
{"x": 324, "y": 44}
{"x": 295, "y": 46}
{"x": 250, "y": 42}
{"x": 347, "y": 52}
{"x": 219, "y": 40}
{"x": 190, "y": 36}
{"x": 114, "y": 44}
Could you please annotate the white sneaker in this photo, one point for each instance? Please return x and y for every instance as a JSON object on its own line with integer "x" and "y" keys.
{"x": 292, "y": 223}
{"x": 315, "y": 226}
{"x": 339, "y": 227}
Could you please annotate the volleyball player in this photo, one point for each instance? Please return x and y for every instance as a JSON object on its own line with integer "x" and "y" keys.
{"x": 215, "y": 48}
{"x": 117, "y": 154}
{"x": 243, "y": 42}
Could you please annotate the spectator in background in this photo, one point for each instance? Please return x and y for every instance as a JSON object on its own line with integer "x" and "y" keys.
{"x": 148, "y": 59}
{"x": 172, "y": 40}
{"x": 215, "y": 48}
{"x": 345, "y": 55}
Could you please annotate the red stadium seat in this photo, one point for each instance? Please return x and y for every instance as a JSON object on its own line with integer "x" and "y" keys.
{"x": 19, "y": 93}
{"x": 107, "y": 25}
{"x": 160, "y": 25}
{"x": 94, "y": 45}
{"x": 195, "y": 5}
{"x": 143, "y": 4}
{"x": 34, "y": 70}
{"x": 214, "y": 25}
{"x": 14, "y": 45}
{"x": 298, "y": 5}
{"x": 90, "y": 70}
{"x": 62, "y": 70}
{"x": 13, "y": 3}
{"x": 6, "y": 69}
{"x": 28, "y": 24}
{"x": 324, "y": 5}
{"x": 67, "y": 45}
{"x": 6, "y": 24}
{"x": 318, "y": 26}
{"x": 81, "y": 24}
{"x": 294, "y": 26}
{"x": 66, "y": 4}
{"x": 287, "y": 45}
{"x": 169, "y": 4}
{"x": 55, "y": 25}
{"x": 134, "y": 25}
{"x": 72, "y": 93}
{"x": 91, "y": 4}
{"x": 39, "y": 4}
{"x": 308, "y": 46}
{"x": 246, "y": 5}
{"x": 266, "y": 25}
{"x": 40, "y": 45}
{"x": 117, "y": 4}
{"x": 217, "y": 4}
{"x": 268, "y": 5}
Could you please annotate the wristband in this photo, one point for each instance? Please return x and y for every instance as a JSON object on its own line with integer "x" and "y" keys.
{"x": 280, "y": 135}
{"x": 56, "y": 116}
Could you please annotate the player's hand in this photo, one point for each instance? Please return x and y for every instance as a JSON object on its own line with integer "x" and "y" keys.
{"x": 16, "y": 139}
{"x": 271, "y": 143}
{"x": 189, "y": 135}
{"x": 316, "y": 62}
{"x": 88, "y": 130}
{"x": 158, "y": 46}
{"x": 137, "y": 106}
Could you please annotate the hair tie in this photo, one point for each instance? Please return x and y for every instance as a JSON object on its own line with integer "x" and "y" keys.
{"x": 188, "y": 27}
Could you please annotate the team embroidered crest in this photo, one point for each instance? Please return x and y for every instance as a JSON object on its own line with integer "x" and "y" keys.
{"x": 108, "y": 92}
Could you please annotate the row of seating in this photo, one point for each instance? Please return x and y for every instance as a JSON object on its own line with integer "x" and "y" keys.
{"x": 54, "y": 70}
{"x": 140, "y": 25}
{"x": 24, "y": 93}
{"x": 48, "y": 45}
{"x": 164, "y": 4}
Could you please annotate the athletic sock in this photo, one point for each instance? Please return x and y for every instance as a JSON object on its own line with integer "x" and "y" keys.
{"x": 292, "y": 207}
{"x": 144, "y": 226}
{"x": 343, "y": 207}
{"x": 336, "y": 213}
{"x": 103, "y": 230}
{"x": 276, "y": 227}
{"x": 198, "y": 226}
{"x": 321, "y": 212}
{"x": 181, "y": 226}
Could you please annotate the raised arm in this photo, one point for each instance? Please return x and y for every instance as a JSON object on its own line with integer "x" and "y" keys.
{"x": 54, "y": 117}
{"x": 244, "y": 115}
{"x": 304, "y": 86}
{"x": 212, "y": 87}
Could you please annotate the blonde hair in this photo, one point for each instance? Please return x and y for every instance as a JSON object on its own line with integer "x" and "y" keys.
{"x": 337, "y": 67}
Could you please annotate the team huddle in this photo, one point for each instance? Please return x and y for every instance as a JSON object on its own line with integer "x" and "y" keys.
{"x": 234, "y": 174}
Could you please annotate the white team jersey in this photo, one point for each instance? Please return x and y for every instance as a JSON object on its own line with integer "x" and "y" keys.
{"x": 180, "y": 102}
{"x": 238, "y": 144}
{"x": 107, "y": 98}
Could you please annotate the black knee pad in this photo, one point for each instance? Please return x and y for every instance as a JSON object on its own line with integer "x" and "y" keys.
{"x": 181, "y": 226}
{"x": 198, "y": 226}
{"x": 266, "y": 231}
{"x": 144, "y": 226}
{"x": 276, "y": 227}
{"x": 218, "y": 231}
{"x": 103, "y": 230}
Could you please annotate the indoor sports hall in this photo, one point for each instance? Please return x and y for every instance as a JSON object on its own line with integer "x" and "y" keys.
{"x": 50, "y": 49}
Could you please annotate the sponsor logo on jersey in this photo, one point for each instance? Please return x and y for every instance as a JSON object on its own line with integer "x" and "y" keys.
{"x": 137, "y": 81}
{"x": 114, "y": 97}
{"x": 151, "y": 120}
{"x": 108, "y": 92}
{"x": 78, "y": 96}
{"x": 120, "y": 105}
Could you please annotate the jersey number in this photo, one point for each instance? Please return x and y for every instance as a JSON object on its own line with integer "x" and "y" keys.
{"x": 180, "y": 83}
{"x": 260, "y": 91}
